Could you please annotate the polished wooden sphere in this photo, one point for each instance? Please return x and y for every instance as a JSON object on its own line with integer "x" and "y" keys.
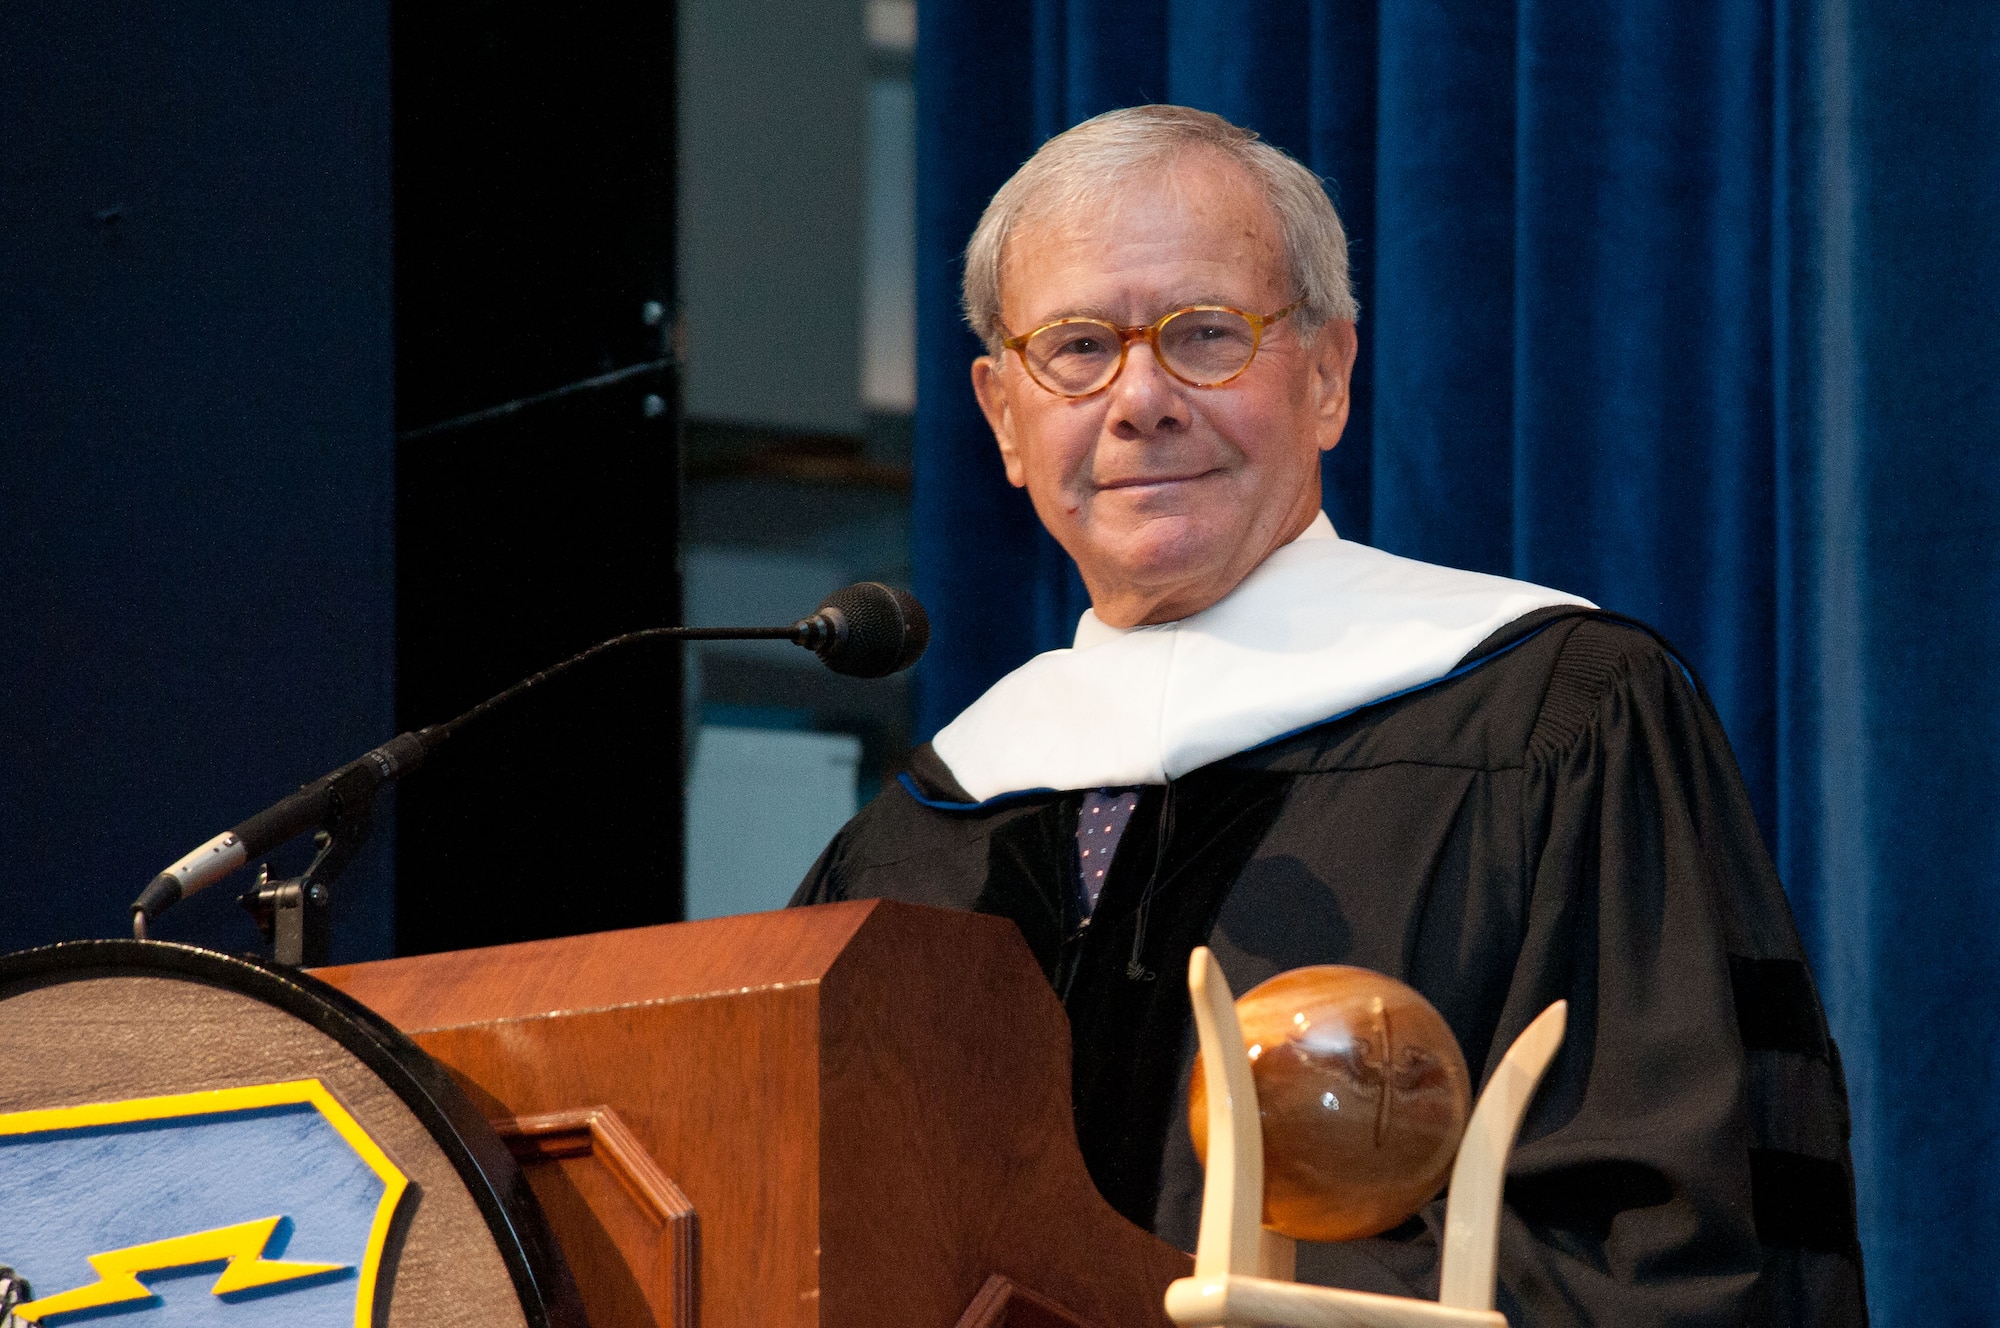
{"x": 1363, "y": 1093}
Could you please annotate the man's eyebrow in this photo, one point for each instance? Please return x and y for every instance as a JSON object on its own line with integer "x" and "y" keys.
{"x": 1103, "y": 313}
{"x": 1100, "y": 312}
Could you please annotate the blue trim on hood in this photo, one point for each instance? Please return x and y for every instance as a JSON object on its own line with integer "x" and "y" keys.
{"x": 936, "y": 804}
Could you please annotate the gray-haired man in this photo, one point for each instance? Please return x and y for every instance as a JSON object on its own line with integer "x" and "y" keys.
{"x": 1297, "y": 750}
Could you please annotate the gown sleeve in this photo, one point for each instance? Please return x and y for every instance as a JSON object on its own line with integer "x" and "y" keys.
{"x": 1686, "y": 1161}
{"x": 823, "y": 883}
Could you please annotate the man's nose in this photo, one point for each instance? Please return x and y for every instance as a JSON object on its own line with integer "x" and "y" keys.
{"x": 1146, "y": 399}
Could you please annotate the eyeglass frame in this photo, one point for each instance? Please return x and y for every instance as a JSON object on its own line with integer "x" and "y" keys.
{"x": 1150, "y": 333}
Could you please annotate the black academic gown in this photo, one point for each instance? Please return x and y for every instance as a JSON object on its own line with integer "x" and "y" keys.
{"x": 1564, "y": 821}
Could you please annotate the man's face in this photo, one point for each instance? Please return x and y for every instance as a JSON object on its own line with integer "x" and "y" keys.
{"x": 1166, "y": 495}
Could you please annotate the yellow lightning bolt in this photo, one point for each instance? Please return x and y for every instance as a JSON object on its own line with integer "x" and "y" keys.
{"x": 118, "y": 1270}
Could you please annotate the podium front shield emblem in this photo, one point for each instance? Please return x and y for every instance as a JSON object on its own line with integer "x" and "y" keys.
{"x": 232, "y": 1208}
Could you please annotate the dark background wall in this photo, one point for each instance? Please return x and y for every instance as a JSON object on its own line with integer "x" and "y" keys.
{"x": 196, "y": 443}
{"x": 538, "y": 472}
{"x": 223, "y": 570}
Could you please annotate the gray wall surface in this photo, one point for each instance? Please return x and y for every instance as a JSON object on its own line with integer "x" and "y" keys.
{"x": 773, "y": 123}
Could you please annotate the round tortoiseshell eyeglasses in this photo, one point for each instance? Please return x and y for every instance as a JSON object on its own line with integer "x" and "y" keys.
{"x": 1203, "y": 345}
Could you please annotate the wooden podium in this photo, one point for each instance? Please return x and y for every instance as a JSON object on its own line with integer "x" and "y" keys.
{"x": 856, "y": 1114}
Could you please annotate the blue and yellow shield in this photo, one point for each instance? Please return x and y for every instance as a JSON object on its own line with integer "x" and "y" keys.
{"x": 267, "y": 1204}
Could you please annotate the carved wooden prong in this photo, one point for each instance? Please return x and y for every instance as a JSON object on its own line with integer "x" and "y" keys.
{"x": 1232, "y": 1201}
{"x": 1472, "y": 1216}
{"x": 1233, "y": 1237}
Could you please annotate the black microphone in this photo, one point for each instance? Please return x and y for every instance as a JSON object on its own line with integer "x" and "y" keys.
{"x": 866, "y": 630}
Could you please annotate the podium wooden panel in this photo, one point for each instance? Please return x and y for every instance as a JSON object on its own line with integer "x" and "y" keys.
{"x": 866, "y": 1105}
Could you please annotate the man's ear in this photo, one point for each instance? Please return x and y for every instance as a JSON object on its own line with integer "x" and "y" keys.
{"x": 992, "y": 394}
{"x": 1332, "y": 373}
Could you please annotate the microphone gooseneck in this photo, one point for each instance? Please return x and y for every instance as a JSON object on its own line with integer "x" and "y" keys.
{"x": 866, "y": 630}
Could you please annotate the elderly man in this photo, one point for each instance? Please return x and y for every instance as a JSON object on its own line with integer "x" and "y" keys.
{"x": 1300, "y": 750}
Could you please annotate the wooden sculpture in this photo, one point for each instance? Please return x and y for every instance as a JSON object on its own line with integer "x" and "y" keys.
{"x": 1243, "y": 1269}
{"x": 1363, "y": 1093}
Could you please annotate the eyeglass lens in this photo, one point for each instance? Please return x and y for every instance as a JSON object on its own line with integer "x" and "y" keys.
{"x": 1200, "y": 346}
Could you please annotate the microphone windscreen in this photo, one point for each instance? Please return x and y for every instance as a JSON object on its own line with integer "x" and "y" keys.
{"x": 886, "y": 630}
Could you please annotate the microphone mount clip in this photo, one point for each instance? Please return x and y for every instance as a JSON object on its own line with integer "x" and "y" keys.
{"x": 295, "y": 915}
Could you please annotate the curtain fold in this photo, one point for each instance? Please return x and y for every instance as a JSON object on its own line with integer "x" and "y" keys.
{"x": 1685, "y": 305}
{"x": 1888, "y": 408}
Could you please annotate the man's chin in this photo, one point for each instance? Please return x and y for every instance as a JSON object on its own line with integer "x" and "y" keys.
{"x": 1168, "y": 545}
{"x": 1170, "y": 560}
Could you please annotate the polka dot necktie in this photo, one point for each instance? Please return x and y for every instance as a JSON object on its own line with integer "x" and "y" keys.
{"x": 1099, "y": 826}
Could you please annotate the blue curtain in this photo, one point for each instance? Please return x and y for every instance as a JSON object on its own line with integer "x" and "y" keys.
{"x": 1685, "y": 305}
